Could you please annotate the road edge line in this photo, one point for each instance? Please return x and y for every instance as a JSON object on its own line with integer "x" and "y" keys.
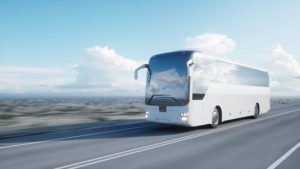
{"x": 285, "y": 156}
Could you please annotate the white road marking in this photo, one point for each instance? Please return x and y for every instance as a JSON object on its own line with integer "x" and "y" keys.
{"x": 77, "y": 136}
{"x": 285, "y": 156}
{"x": 163, "y": 143}
{"x": 64, "y": 138}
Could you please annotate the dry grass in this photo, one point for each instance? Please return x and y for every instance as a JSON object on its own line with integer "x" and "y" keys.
{"x": 41, "y": 112}
{"x": 38, "y": 112}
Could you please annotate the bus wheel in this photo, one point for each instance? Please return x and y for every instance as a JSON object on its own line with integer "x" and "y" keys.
{"x": 215, "y": 120}
{"x": 256, "y": 111}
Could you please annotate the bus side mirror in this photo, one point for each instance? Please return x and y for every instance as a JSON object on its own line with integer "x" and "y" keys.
{"x": 139, "y": 68}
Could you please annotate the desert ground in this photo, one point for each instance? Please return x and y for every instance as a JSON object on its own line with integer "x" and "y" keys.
{"x": 30, "y": 113}
{"x": 24, "y": 113}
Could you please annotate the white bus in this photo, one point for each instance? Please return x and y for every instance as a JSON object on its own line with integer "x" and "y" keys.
{"x": 193, "y": 88}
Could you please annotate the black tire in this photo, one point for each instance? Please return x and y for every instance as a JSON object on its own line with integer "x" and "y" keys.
{"x": 215, "y": 118}
{"x": 256, "y": 111}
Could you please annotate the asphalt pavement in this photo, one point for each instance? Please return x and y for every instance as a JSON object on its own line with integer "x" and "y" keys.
{"x": 272, "y": 141}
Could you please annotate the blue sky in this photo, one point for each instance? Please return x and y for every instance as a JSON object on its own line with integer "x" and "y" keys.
{"x": 59, "y": 38}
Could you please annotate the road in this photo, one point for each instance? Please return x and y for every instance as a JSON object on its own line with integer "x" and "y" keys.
{"x": 272, "y": 141}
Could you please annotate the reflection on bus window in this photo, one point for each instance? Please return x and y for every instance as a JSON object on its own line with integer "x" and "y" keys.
{"x": 169, "y": 84}
{"x": 209, "y": 70}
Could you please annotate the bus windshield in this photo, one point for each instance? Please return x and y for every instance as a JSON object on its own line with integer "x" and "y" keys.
{"x": 168, "y": 82}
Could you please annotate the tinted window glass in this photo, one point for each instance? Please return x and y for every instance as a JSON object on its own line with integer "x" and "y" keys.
{"x": 169, "y": 83}
{"x": 209, "y": 70}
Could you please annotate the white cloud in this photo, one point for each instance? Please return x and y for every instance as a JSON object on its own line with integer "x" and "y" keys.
{"x": 106, "y": 72}
{"x": 105, "y": 57}
{"x": 280, "y": 63}
{"x": 217, "y": 43}
{"x": 103, "y": 72}
{"x": 274, "y": 82}
{"x": 32, "y": 79}
{"x": 32, "y": 70}
{"x": 283, "y": 67}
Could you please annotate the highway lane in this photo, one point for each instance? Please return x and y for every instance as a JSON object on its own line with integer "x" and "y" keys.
{"x": 243, "y": 143}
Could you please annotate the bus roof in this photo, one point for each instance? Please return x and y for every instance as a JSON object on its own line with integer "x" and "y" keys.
{"x": 215, "y": 56}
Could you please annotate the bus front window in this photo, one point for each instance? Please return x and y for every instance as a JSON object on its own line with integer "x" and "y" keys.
{"x": 169, "y": 82}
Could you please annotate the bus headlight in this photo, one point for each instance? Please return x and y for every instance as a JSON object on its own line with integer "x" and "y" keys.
{"x": 184, "y": 116}
{"x": 147, "y": 114}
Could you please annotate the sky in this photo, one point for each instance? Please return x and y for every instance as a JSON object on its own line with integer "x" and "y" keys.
{"x": 91, "y": 47}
